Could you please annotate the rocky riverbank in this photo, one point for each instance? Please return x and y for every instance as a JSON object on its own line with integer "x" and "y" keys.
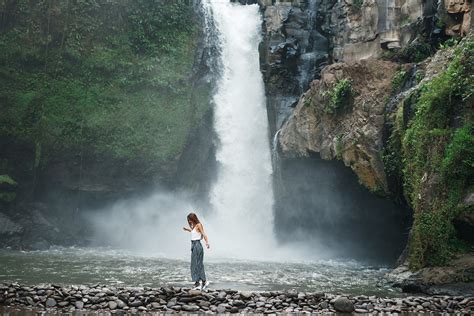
{"x": 184, "y": 300}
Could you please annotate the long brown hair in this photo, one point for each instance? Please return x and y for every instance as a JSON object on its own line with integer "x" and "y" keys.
{"x": 193, "y": 220}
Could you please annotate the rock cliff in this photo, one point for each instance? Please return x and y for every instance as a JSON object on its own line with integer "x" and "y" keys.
{"x": 353, "y": 132}
{"x": 394, "y": 111}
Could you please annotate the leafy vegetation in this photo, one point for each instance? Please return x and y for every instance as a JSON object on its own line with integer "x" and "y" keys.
{"x": 6, "y": 185}
{"x": 339, "y": 96}
{"x": 399, "y": 80}
{"x": 416, "y": 51}
{"x": 434, "y": 154}
{"x": 109, "y": 78}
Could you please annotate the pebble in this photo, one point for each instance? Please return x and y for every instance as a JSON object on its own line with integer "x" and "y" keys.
{"x": 120, "y": 301}
{"x": 112, "y": 305}
{"x": 50, "y": 302}
{"x": 221, "y": 309}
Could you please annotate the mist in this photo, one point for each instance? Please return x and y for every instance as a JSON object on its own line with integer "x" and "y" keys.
{"x": 322, "y": 201}
{"x": 318, "y": 211}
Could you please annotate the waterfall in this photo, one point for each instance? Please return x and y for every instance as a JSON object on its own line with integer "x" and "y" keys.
{"x": 275, "y": 153}
{"x": 242, "y": 196}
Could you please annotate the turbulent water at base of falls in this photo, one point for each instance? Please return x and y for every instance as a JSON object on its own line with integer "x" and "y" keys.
{"x": 242, "y": 197}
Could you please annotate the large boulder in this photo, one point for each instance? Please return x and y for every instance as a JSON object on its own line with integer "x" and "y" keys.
{"x": 343, "y": 305}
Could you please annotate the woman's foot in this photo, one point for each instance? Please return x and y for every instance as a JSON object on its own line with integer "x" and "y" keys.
{"x": 205, "y": 286}
{"x": 197, "y": 286}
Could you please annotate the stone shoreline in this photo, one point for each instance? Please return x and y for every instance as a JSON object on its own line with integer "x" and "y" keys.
{"x": 125, "y": 300}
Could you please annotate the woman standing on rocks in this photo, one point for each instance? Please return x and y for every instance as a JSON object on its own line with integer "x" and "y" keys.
{"x": 197, "y": 252}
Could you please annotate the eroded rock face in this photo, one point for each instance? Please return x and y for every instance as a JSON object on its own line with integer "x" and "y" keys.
{"x": 458, "y": 18}
{"x": 354, "y": 132}
{"x": 363, "y": 29}
{"x": 292, "y": 53}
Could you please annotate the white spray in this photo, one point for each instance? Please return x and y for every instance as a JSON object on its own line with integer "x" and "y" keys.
{"x": 240, "y": 223}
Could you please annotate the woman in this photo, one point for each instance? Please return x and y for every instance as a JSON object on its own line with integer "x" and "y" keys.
{"x": 197, "y": 253}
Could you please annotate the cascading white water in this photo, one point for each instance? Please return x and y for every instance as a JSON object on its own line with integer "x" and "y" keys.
{"x": 242, "y": 196}
{"x": 240, "y": 221}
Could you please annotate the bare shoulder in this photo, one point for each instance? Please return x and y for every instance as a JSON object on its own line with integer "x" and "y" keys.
{"x": 200, "y": 227}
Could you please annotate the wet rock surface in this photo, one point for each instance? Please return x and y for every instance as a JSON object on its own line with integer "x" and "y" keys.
{"x": 292, "y": 53}
{"x": 184, "y": 300}
{"x": 353, "y": 133}
{"x": 457, "y": 278}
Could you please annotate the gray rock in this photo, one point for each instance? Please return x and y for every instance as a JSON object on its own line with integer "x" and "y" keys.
{"x": 172, "y": 302}
{"x": 190, "y": 308}
{"x": 136, "y": 303}
{"x": 79, "y": 305}
{"x": 50, "y": 302}
{"x": 222, "y": 295}
{"x": 245, "y": 295}
{"x": 120, "y": 304}
{"x": 221, "y": 309}
{"x": 194, "y": 292}
{"x": 30, "y": 301}
{"x": 204, "y": 303}
{"x": 343, "y": 305}
{"x": 260, "y": 304}
{"x": 238, "y": 303}
{"x": 324, "y": 305}
{"x": 112, "y": 305}
{"x": 63, "y": 304}
{"x": 361, "y": 310}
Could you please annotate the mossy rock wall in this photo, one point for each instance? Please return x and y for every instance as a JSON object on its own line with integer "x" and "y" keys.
{"x": 98, "y": 95}
{"x": 431, "y": 149}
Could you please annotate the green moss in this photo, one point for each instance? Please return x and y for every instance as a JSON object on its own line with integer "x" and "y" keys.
{"x": 419, "y": 75}
{"x": 111, "y": 78}
{"x": 6, "y": 179}
{"x": 453, "y": 41}
{"x": 399, "y": 80}
{"x": 6, "y": 186}
{"x": 416, "y": 51}
{"x": 339, "y": 146}
{"x": 339, "y": 96}
{"x": 377, "y": 190}
{"x": 437, "y": 158}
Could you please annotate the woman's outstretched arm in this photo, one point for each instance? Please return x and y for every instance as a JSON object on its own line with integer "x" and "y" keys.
{"x": 186, "y": 229}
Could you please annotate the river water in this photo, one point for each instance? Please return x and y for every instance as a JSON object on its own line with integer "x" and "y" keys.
{"x": 66, "y": 266}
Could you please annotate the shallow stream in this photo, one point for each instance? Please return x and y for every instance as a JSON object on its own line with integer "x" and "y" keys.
{"x": 66, "y": 266}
